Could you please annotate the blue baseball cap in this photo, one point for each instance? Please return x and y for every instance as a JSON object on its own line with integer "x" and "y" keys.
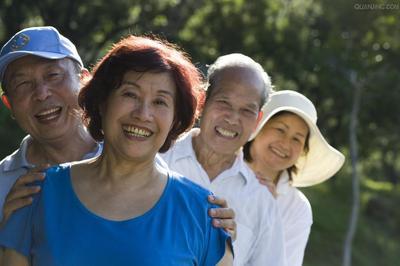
{"x": 45, "y": 42}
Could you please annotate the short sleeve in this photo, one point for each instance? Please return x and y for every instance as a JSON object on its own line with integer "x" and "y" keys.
{"x": 217, "y": 240}
{"x": 17, "y": 232}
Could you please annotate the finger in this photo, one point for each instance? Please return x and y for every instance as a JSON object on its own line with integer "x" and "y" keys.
{"x": 11, "y": 206}
{"x": 232, "y": 233}
{"x": 28, "y": 178}
{"x": 268, "y": 184}
{"x": 265, "y": 182}
{"x": 221, "y": 202}
{"x": 272, "y": 189}
{"x": 228, "y": 225}
{"x": 222, "y": 213}
{"x": 21, "y": 192}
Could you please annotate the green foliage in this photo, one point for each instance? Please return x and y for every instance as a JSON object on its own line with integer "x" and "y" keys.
{"x": 10, "y": 133}
{"x": 376, "y": 241}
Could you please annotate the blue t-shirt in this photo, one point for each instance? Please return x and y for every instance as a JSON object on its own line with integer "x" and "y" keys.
{"x": 57, "y": 229}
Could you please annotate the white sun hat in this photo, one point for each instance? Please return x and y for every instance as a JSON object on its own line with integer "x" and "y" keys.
{"x": 322, "y": 160}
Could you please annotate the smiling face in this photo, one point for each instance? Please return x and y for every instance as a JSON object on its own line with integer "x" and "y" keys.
{"x": 230, "y": 114}
{"x": 138, "y": 115}
{"x": 43, "y": 96}
{"x": 280, "y": 142}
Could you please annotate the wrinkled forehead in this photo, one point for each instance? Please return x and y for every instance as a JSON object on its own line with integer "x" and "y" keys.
{"x": 239, "y": 72}
{"x": 32, "y": 61}
{"x": 29, "y": 63}
{"x": 239, "y": 80}
{"x": 25, "y": 66}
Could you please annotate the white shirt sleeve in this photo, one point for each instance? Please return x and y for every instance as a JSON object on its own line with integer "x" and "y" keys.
{"x": 269, "y": 247}
{"x": 296, "y": 216}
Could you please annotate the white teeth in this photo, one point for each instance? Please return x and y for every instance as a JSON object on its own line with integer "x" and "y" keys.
{"x": 137, "y": 132}
{"x": 226, "y": 133}
{"x": 279, "y": 153}
{"x": 48, "y": 118}
{"x": 50, "y": 111}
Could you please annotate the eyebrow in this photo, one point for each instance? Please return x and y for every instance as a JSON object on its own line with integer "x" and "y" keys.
{"x": 10, "y": 79}
{"x": 130, "y": 83}
{"x": 253, "y": 106}
{"x": 47, "y": 66}
{"x": 160, "y": 91}
{"x": 250, "y": 105}
{"x": 287, "y": 126}
{"x": 16, "y": 75}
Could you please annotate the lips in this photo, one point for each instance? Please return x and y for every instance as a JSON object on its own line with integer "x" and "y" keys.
{"x": 279, "y": 153}
{"x": 226, "y": 132}
{"x": 49, "y": 114}
{"x": 137, "y": 132}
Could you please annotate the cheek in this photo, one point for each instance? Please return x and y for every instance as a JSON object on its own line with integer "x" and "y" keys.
{"x": 260, "y": 146}
{"x": 297, "y": 150}
{"x": 165, "y": 118}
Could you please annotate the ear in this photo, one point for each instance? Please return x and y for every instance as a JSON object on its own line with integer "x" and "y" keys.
{"x": 5, "y": 101}
{"x": 85, "y": 75}
{"x": 260, "y": 114}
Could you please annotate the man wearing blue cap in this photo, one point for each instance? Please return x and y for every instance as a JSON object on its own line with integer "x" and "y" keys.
{"x": 41, "y": 73}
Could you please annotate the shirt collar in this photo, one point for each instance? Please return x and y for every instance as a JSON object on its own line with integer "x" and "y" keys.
{"x": 18, "y": 159}
{"x": 95, "y": 152}
{"x": 283, "y": 185}
{"x": 184, "y": 149}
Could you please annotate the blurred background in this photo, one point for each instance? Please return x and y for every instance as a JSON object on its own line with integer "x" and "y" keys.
{"x": 344, "y": 55}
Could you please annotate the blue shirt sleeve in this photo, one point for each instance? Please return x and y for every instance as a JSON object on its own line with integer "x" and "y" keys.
{"x": 17, "y": 232}
{"x": 217, "y": 241}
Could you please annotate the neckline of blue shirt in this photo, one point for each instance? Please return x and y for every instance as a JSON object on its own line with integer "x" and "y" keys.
{"x": 151, "y": 211}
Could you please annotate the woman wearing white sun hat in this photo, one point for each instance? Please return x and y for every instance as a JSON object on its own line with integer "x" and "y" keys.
{"x": 286, "y": 151}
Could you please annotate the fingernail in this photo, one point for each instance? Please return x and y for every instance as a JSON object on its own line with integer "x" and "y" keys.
{"x": 217, "y": 222}
{"x": 212, "y": 212}
{"x": 211, "y": 197}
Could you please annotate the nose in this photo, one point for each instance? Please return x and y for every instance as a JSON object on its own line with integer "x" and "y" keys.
{"x": 286, "y": 142}
{"x": 143, "y": 111}
{"x": 232, "y": 117}
{"x": 42, "y": 91}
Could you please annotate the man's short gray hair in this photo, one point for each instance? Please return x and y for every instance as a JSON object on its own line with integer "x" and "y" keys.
{"x": 237, "y": 60}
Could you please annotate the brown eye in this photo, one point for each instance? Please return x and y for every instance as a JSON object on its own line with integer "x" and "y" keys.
{"x": 160, "y": 102}
{"x": 23, "y": 85}
{"x": 130, "y": 94}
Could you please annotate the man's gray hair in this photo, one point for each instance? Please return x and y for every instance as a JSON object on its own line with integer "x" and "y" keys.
{"x": 237, "y": 60}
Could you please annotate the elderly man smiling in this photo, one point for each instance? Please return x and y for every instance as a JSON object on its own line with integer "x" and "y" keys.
{"x": 40, "y": 74}
{"x": 211, "y": 156}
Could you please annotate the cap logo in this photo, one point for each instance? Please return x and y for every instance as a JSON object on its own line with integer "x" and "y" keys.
{"x": 19, "y": 42}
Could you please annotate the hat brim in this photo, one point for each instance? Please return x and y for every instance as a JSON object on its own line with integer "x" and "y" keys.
{"x": 8, "y": 58}
{"x": 321, "y": 162}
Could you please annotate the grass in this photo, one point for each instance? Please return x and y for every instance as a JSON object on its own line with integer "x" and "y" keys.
{"x": 377, "y": 240}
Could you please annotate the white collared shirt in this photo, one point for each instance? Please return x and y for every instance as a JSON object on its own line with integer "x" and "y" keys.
{"x": 259, "y": 229}
{"x": 296, "y": 216}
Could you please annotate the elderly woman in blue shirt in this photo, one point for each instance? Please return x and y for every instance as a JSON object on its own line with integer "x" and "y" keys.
{"x": 121, "y": 208}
